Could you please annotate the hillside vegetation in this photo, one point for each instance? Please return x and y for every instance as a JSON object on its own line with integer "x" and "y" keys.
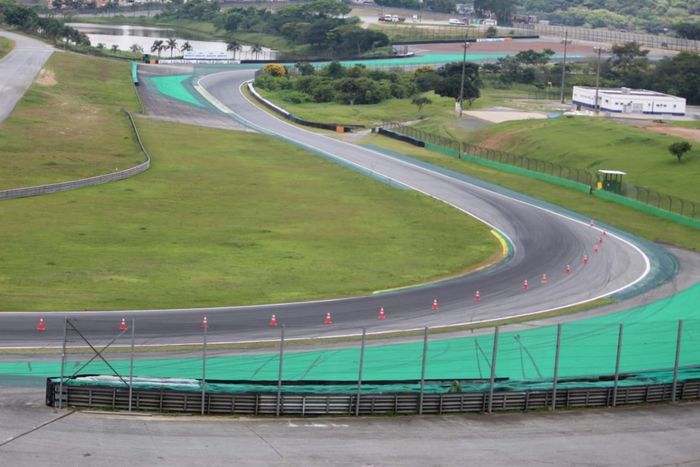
{"x": 589, "y": 143}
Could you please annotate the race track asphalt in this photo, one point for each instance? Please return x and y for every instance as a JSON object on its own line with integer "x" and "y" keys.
{"x": 542, "y": 242}
{"x": 18, "y": 69}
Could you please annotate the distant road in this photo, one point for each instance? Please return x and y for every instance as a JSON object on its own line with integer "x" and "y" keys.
{"x": 18, "y": 69}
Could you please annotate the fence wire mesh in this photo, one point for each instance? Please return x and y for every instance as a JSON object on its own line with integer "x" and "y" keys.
{"x": 459, "y": 149}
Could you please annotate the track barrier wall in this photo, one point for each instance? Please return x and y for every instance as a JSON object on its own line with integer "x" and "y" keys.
{"x": 651, "y": 346}
{"x": 675, "y": 209}
{"x": 289, "y": 116}
{"x": 83, "y": 182}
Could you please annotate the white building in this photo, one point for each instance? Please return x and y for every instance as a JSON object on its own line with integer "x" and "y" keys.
{"x": 625, "y": 100}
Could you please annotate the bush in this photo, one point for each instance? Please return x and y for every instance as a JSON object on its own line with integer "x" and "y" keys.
{"x": 274, "y": 69}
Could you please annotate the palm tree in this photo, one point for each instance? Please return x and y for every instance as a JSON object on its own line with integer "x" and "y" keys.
{"x": 186, "y": 47}
{"x": 256, "y": 49}
{"x": 136, "y": 48}
{"x": 157, "y": 47}
{"x": 172, "y": 45}
{"x": 234, "y": 47}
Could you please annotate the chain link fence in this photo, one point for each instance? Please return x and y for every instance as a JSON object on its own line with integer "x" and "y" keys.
{"x": 644, "y": 195}
{"x": 604, "y": 35}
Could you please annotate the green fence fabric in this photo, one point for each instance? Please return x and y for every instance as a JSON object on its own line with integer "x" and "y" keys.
{"x": 633, "y": 203}
{"x": 588, "y": 351}
{"x": 174, "y": 87}
{"x": 134, "y": 73}
{"x": 509, "y": 168}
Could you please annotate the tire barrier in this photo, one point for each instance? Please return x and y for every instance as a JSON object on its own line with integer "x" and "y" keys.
{"x": 289, "y": 116}
{"x": 83, "y": 182}
{"x": 400, "y": 137}
{"x": 302, "y": 405}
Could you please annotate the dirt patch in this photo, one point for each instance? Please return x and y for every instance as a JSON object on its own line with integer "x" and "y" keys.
{"x": 46, "y": 77}
{"x": 499, "y": 116}
{"x": 692, "y": 134}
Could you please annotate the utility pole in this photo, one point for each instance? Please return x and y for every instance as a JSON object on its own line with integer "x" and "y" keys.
{"x": 563, "y": 68}
{"x": 597, "y": 80}
{"x": 461, "y": 88}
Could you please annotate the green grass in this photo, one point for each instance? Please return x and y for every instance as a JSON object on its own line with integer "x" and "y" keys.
{"x": 366, "y": 115}
{"x": 685, "y": 123}
{"x": 590, "y": 143}
{"x": 69, "y": 124}
{"x": 6, "y": 45}
{"x": 644, "y": 225}
{"x": 227, "y": 218}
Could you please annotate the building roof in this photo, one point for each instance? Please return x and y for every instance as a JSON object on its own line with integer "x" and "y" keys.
{"x": 629, "y": 92}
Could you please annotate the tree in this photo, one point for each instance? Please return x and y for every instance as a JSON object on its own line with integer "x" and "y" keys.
{"x": 451, "y": 78}
{"x": 157, "y": 47}
{"x": 256, "y": 50}
{"x": 679, "y": 148}
{"x": 678, "y": 75}
{"x": 305, "y": 68}
{"x": 172, "y": 45}
{"x": 420, "y": 102}
{"x": 115, "y": 48}
{"x": 233, "y": 47}
{"x": 688, "y": 30}
{"x": 503, "y": 9}
{"x": 186, "y": 47}
{"x": 136, "y": 48}
{"x": 491, "y": 31}
{"x": 629, "y": 63}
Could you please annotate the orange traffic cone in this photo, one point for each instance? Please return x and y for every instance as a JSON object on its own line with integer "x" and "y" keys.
{"x": 591, "y": 223}
{"x": 41, "y": 327}
{"x": 600, "y": 239}
{"x": 567, "y": 269}
{"x": 477, "y": 296}
{"x": 435, "y": 305}
{"x": 604, "y": 233}
{"x": 328, "y": 319}
{"x": 122, "y": 325}
{"x": 204, "y": 324}
{"x": 595, "y": 249}
{"x": 381, "y": 314}
{"x": 544, "y": 279}
{"x": 525, "y": 285}
{"x": 273, "y": 321}
{"x": 585, "y": 259}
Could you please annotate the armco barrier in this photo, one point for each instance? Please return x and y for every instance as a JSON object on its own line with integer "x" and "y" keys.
{"x": 83, "y": 182}
{"x": 163, "y": 400}
{"x": 295, "y": 119}
{"x": 400, "y": 137}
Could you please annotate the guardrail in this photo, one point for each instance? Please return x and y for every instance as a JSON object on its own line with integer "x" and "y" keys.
{"x": 163, "y": 400}
{"x": 289, "y": 116}
{"x": 83, "y": 182}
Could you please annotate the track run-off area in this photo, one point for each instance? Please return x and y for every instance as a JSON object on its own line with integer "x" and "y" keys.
{"x": 540, "y": 239}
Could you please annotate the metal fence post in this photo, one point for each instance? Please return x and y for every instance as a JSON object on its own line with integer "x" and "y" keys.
{"x": 131, "y": 364}
{"x": 493, "y": 368}
{"x": 678, "y": 359}
{"x": 556, "y": 368}
{"x": 205, "y": 325}
{"x": 359, "y": 375}
{"x": 63, "y": 364}
{"x": 617, "y": 364}
{"x": 279, "y": 374}
{"x": 422, "y": 371}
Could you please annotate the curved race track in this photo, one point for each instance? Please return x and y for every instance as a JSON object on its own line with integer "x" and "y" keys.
{"x": 542, "y": 242}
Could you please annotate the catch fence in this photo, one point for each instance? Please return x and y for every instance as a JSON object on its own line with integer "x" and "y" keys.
{"x": 628, "y": 355}
{"x": 610, "y": 37}
{"x": 583, "y": 180}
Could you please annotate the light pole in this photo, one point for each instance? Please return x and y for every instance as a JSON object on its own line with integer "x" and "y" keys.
{"x": 563, "y": 67}
{"x": 461, "y": 87}
{"x": 596, "y": 106}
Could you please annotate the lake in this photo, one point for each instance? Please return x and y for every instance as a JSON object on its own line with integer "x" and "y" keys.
{"x": 124, "y": 36}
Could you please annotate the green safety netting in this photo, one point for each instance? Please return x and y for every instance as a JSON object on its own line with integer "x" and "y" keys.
{"x": 588, "y": 351}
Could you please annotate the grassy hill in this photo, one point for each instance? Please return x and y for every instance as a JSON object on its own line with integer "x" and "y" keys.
{"x": 590, "y": 143}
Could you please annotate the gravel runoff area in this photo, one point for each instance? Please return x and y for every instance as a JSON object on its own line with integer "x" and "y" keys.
{"x": 638, "y": 436}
